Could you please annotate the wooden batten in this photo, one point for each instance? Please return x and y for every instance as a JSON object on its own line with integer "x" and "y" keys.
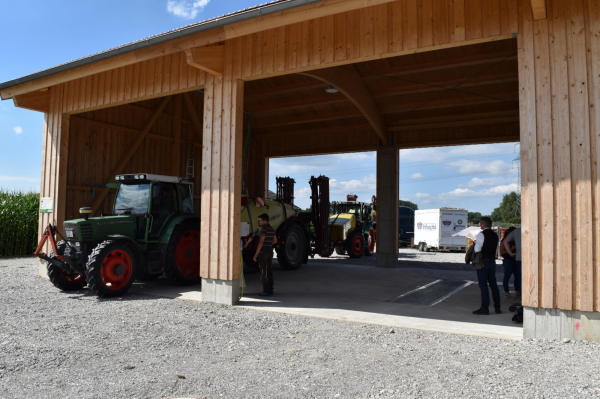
{"x": 210, "y": 59}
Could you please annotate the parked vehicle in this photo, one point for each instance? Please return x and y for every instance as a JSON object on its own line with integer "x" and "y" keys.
{"x": 434, "y": 229}
{"x": 406, "y": 225}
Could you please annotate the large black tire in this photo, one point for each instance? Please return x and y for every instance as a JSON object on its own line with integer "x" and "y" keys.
{"x": 182, "y": 262}
{"x": 355, "y": 244}
{"x": 249, "y": 264}
{"x": 111, "y": 269}
{"x": 340, "y": 250}
{"x": 61, "y": 279}
{"x": 291, "y": 252}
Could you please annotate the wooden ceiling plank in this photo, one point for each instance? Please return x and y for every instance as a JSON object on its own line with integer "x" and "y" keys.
{"x": 349, "y": 83}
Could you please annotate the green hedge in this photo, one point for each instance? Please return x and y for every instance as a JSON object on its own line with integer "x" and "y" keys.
{"x": 19, "y": 216}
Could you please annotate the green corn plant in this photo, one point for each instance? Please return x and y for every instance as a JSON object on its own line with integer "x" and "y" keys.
{"x": 19, "y": 215}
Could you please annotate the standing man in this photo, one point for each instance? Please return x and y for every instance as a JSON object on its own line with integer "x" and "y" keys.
{"x": 487, "y": 243}
{"x": 515, "y": 236}
{"x": 264, "y": 253}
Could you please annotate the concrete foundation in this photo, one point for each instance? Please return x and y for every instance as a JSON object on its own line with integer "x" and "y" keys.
{"x": 225, "y": 292}
{"x": 387, "y": 206}
{"x": 43, "y": 270}
{"x": 556, "y": 324}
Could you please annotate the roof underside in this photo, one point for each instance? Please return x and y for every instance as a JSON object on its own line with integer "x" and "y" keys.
{"x": 242, "y": 15}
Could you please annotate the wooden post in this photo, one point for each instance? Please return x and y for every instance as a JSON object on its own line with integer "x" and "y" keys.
{"x": 221, "y": 182}
{"x": 176, "y": 158}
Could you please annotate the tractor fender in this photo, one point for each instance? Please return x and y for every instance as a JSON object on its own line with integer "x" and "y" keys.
{"x": 176, "y": 221}
{"x": 133, "y": 245}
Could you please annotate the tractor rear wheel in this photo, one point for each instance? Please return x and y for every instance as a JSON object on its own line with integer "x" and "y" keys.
{"x": 61, "y": 279}
{"x": 370, "y": 243}
{"x": 291, "y": 252}
{"x": 182, "y": 263}
{"x": 111, "y": 269}
{"x": 355, "y": 244}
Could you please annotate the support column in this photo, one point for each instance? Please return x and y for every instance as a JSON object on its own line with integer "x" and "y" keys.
{"x": 387, "y": 206}
{"x": 559, "y": 78}
{"x": 221, "y": 183}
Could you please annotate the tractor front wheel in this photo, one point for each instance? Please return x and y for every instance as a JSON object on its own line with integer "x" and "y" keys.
{"x": 111, "y": 269}
{"x": 355, "y": 245}
{"x": 370, "y": 243}
{"x": 61, "y": 279}
{"x": 291, "y": 252}
{"x": 182, "y": 263}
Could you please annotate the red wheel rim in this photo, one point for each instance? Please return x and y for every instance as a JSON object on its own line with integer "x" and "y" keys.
{"x": 116, "y": 269}
{"x": 358, "y": 245}
{"x": 72, "y": 278}
{"x": 187, "y": 254}
{"x": 371, "y": 240}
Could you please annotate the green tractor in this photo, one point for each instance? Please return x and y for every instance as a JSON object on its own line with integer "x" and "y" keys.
{"x": 351, "y": 227}
{"x": 152, "y": 230}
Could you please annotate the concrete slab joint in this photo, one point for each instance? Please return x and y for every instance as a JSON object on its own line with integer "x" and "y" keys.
{"x": 224, "y": 292}
{"x": 556, "y": 324}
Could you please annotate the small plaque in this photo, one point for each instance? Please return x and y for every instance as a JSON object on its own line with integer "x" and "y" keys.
{"x": 46, "y": 205}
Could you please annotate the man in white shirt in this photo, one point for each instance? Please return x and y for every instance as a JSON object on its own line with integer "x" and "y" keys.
{"x": 487, "y": 244}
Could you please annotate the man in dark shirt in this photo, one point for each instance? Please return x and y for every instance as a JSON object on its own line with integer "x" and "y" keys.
{"x": 487, "y": 244}
{"x": 264, "y": 253}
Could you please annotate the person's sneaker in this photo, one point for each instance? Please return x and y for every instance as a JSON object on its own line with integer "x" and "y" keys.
{"x": 266, "y": 293}
{"x": 481, "y": 311}
{"x": 498, "y": 311}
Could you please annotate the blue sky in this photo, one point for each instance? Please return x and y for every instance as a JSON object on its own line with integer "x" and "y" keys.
{"x": 40, "y": 34}
{"x": 473, "y": 177}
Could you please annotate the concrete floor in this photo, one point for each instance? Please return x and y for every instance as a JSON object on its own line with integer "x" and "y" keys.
{"x": 364, "y": 293}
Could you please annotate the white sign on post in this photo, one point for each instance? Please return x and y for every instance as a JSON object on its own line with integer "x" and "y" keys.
{"x": 46, "y": 205}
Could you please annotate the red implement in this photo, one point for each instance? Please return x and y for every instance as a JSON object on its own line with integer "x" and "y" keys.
{"x": 48, "y": 234}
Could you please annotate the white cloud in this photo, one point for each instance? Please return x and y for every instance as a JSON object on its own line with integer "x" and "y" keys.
{"x": 17, "y": 178}
{"x": 468, "y": 166}
{"x": 422, "y": 195}
{"x": 416, "y": 176}
{"x": 18, "y": 129}
{"x": 345, "y": 187}
{"x": 489, "y": 181}
{"x": 439, "y": 154}
{"x": 187, "y": 9}
{"x": 468, "y": 193}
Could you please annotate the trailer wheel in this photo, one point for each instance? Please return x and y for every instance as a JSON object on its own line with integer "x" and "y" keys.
{"x": 61, "y": 279}
{"x": 111, "y": 269}
{"x": 370, "y": 243}
{"x": 182, "y": 261}
{"x": 290, "y": 254}
{"x": 355, "y": 245}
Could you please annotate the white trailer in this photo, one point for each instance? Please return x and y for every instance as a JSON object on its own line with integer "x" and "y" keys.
{"x": 434, "y": 229}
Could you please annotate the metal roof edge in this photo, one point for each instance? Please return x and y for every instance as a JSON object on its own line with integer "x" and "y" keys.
{"x": 161, "y": 38}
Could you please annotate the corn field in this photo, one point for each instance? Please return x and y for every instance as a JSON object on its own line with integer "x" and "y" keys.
{"x": 19, "y": 215}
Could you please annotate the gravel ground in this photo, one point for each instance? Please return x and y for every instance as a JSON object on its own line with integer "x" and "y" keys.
{"x": 73, "y": 345}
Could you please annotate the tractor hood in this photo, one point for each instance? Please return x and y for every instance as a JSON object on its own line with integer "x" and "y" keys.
{"x": 341, "y": 225}
{"x": 99, "y": 228}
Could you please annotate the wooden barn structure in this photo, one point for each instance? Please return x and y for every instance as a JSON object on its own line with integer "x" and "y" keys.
{"x": 410, "y": 73}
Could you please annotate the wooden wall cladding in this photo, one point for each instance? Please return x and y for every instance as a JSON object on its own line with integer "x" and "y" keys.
{"x": 99, "y": 139}
{"x": 383, "y": 30}
{"x": 166, "y": 75}
{"x": 559, "y": 71}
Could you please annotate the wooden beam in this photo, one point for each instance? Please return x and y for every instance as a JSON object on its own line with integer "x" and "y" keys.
{"x": 193, "y": 113}
{"x": 468, "y": 122}
{"x": 210, "y": 59}
{"x": 35, "y": 101}
{"x": 539, "y": 9}
{"x": 216, "y": 35}
{"x": 304, "y": 118}
{"x": 349, "y": 83}
{"x": 176, "y": 127}
{"x": 125, "y": 160}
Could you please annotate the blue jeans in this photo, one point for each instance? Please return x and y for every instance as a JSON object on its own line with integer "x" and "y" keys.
{"x": 486, "y": 276}
{"x": 512, "y": 267}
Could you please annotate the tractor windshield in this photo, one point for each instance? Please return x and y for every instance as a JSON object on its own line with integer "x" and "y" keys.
{"x": 132, "y": 199}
